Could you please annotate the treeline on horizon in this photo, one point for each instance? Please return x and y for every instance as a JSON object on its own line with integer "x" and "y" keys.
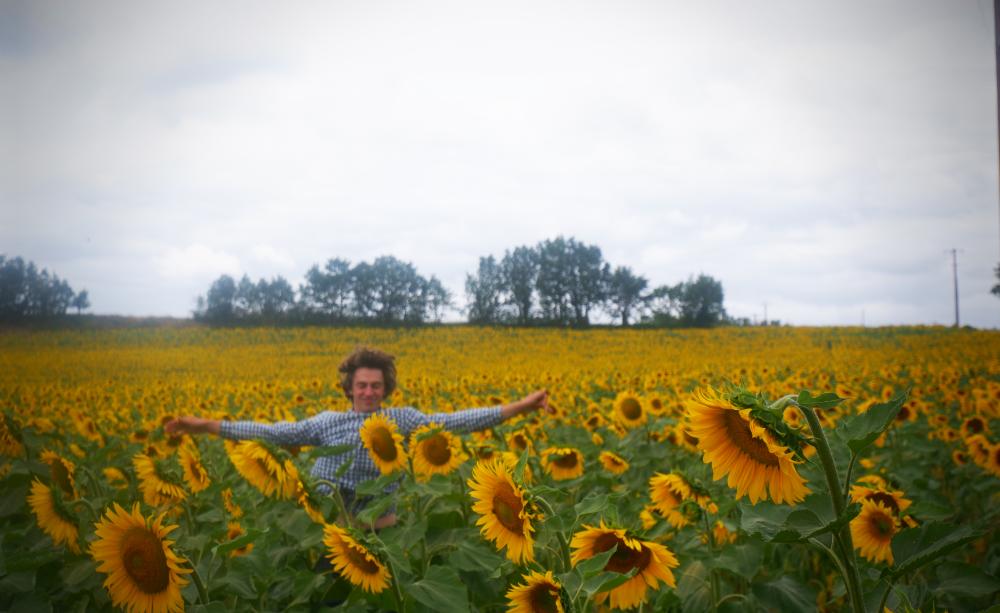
{"x": 557, "y": 282}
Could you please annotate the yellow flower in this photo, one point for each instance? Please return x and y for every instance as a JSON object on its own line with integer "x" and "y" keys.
{"x": 504, "y": 517}
{"x": 993, "y": 460}
{"x": 115, "y": 477}
{"x": 538, "y": 594}
{"x": 629, "y": 410}
{"x": 651, "y": 561}
{"x": 144, "y": 573}
{"x": 194, "y": 472}
{"x": 736, "y": 445}
{"x": 668, "y": 493}
{"x": 62, "y": 472}
{"x": 53, "y": 518}
{"x": 435, "y": 451}
{"x": 234, "y": 531}
{"x": 384, "y": 444}
{"x": 872, "y": 531}
{"x": 157, "y": 490}
{"x": 264, "y": 470}
{"x": 613, "y": 463}
{"x": 231, "y": 507}
{"x": 354, "y": 561}
{"x": 519, "y": 442}
{"x": 879, "y": 492}
{"x": 563, "y": 462}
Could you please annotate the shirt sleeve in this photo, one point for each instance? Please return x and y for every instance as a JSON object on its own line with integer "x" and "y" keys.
{"x": 468, "y": 420}
{"x": 305, "y": 432}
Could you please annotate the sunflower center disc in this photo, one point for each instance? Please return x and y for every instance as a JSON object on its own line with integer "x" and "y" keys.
{"x": 543, "y": 599}
{"x": 886, "y": 501}
{"x": 883, "y": 525}
{"x": 565, "y": 460}
{"x": 631, "y": 408}
{"x": 359, "y": 559}
{"x": 624, "y": 558}
{"x": 60, "y": 476}
{"x": 144, "y": 560}
{"x": 436, "y": 450}
{"x": 507, "y": 508}
{"x": 383, "y": 444}
{"x": 739, "y": 434}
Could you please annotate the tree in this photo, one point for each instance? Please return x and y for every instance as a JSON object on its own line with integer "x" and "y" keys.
{"x": 625, "y": 293}
{"x": 81, "y": 301}
{"x": 220, "y": 302}
{"x": 519, "y": 276}
{"x": 701, "y": 302}
{"x": 996, "y": 288}
{"x": 329, "y": 291}
{"x": 571, "y": 280}
{"x": 27, "y": 293}
{"x": 485, "y": 292}
{"x": 275, "y": 297}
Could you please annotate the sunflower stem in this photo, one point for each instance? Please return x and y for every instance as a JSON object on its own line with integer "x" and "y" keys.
{"x": 885, "y": 598}
{"x": 563, "y": 545}
{"x": 850, "y": 471}
{"x": 198, "y": 583}
{"x": 853, "y": 576}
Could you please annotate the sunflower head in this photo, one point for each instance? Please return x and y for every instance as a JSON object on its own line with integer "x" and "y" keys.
{"x": 265, "y": 468}
{"x": 194, "y": 471}
{"x": 505, "y": 517}
{"x": 629, "y": 410}
{"x": 872, "y": 531}
{"x": 613, "y": 463}
{"x": 540, "y": 593}
{"x": 354, "y": 561}
{"x": 62, "y": 472}
{"x": 159, "y": 480}
{"x": 435, "y": 451}
{"x": 53, "y": 515}
{"x": 563, "y": 462}
{"x": 381, "y": 438}
{"x": 143, "y": 572}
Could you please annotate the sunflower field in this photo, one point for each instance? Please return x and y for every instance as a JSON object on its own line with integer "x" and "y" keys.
{"x": 734, "y": 469}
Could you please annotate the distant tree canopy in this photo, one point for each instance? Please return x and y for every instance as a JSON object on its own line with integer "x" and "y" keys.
{"x": 563, "y": 282}
{"x": 386, "y": 291}
{"x": 27, "y": 293}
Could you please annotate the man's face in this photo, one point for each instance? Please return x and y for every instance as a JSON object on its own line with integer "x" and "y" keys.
{"x": 368, "y": 389}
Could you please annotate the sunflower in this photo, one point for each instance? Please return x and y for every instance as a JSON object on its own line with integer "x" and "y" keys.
{"x": 737, "y": 445}
{"x": 629, "y": 410}
{"x": 538, "y": 594}
{"x": 62, "y": 472}
{"x": 504, "y": 517}
{"x": 231, "y": 507}
{"x": 979, "y": 449}
{"x": 993, "y": 461}
{"x": 668, "y": 493}
{"x": 157, "y": 488}
{"x": 306, "y": 499}
{"x": 115, "y": 477}
{"x": 872, "y": 531}
{"x": 880, "y": 492}
{"x": 518, "y": 441}
{"x": 144, "y": 574}
{"x": 234, "y": 531}
{"x": 511, "y": 459}
{"x": 435, "y": 451}
{"x": 194, "y": 472}
{"x": 53, "y": 517}
{"x": 651, "y": 561}
{"x": 10, "y": 438}
{"x": 384, "y": 443}
{"x": 563, "y": 462}
{"x": 975, "y": 424}
{"x": 613, "y": 463}
{"x": 354, "y": 561}
{"x": 263, "y": 470}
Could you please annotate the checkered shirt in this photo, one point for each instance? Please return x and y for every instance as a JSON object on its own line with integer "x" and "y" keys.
{"x": 339, "y": 427}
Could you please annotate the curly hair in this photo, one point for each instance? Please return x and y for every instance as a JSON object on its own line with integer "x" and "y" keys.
{"x": 366, "y": 357}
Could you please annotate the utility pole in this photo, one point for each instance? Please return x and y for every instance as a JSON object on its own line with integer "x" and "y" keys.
{"x": 954, "y": 277}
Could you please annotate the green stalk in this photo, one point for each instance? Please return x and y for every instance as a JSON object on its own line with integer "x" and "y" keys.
{"x": 853, "y": 576}
{"x": 563, "y": 545}
{"x": 202, "y": 592}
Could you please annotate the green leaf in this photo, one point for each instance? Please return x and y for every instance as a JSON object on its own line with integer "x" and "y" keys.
{"x": 441, "y": 589}
{"x": 212, "y": 607}
{"x": 474, "y": 556}
{"x": 966, "y": 581}
{"x": 32, "y": 603}
{"x": 375, "y": 510}
{"x": 596, "y": 503}
{"x": 787, "y": 524}
{"x": 916, "y": 547}
{"x": 592, "y": 566}
{"x": 236, "y": 581}
{"x": 862, "y": 430}
{"x": 327, "y": 450}
{"x": 606, "y": 581}
{"x": 19, "y": 582}
{"x": 251, "y": 535}
{"x": 694, "y": 587}
{"x": 785, "y": 594}
{"x": 77, "y": 572}
{"x": 824, "y": 401}
{"x": 743, "y": 560}
{"x": 377, "y": 486}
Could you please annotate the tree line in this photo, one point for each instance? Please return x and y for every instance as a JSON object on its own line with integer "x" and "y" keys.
{"x": 27, "y": 293}
{"x": 560, "y": 282}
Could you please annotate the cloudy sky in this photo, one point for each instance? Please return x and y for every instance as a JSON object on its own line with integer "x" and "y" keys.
{"x": 820, "y": 157}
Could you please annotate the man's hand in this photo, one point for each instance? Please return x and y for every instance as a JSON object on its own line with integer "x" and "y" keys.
{"x": 190, "y": 424}
{"x": 532, "y": 402}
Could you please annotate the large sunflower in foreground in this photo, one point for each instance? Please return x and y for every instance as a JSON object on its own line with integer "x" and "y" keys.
{"x": 384, "y": 443}
{"x": 504, "y": 517}
{"x": 738, "y": 445}
{"x": 144, "y": 573}
{"x": 435, "y": 451}
{"x": 157, "y": 488}
{"x": 53, "y": 518}
{"x": 872, "y": 531}
{"x": 652, "y": 562}
{"x": 353, "y": 560}
{"x": 538, "y": 594}
{"x": 264, "y": 470}
{"x": 563, "y": 462}
{"x": 629, "y": 410}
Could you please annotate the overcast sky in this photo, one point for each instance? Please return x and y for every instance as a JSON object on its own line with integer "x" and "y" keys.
{"x": 821, "y": 157}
